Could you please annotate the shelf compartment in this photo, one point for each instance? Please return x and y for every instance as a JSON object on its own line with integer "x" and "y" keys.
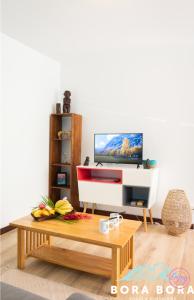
{"x": 132, "y": 194}
{"x": 75, "y": 260}
{"x": 61, "y": 165}
{"x": 103, "y": 193}
{"x": 60, "y": 187}
{"x": 100, "y": 175}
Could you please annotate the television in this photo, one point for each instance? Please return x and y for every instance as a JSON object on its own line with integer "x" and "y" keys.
{"x": 121, "y": 148}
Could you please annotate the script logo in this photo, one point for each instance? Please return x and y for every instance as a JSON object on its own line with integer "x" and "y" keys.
{"x": 179, "y": 277}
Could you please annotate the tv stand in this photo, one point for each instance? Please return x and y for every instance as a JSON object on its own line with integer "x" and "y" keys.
{"x": 105, "y": 179}
{"x": 117, "y": 186}
{"x": 99, "y": 163}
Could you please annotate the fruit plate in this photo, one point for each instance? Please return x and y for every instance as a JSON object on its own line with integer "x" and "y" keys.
{"x": 44, "y": 218}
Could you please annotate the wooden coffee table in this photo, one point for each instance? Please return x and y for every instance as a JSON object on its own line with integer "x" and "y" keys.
{"x": 34, "y": 239}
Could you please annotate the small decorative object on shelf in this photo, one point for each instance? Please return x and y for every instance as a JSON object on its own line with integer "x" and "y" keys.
{"x": 62, "y": 179}
{"x": 87, "y": 161}
{"x": 176, "y": 212}
{"x": 149, "y": 163}
{"x": 66, "y": 102}
{"x": 58, "y": 108}
{"x": 66, "y": 159}
{"x": 62, "y": 134}
{"x": 140, "y": 203}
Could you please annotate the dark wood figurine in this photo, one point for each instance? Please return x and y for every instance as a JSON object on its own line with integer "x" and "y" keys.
{"x": 58, "y": 108}
{"x": 87, "y": 161}
{"x": 66, "y": 102}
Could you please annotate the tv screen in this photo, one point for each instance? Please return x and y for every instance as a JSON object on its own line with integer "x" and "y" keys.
{"x": 124, "y": 148}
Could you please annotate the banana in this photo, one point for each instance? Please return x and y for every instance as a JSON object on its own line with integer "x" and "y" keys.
{"x": 37, "y": 213}
{"x": 62, "y": 204}
{"x": 35, "y": 209}
{"x": 59, "y": 203}
{"x": 45, "y": 212}
{"x": 63, "y": 211}
{"x": 63, "y": 207}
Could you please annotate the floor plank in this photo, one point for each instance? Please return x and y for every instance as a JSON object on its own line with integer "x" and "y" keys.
{"x": 150, "y": 248}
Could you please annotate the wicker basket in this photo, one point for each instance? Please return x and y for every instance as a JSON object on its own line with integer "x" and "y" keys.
{"x": 176, "y": 213}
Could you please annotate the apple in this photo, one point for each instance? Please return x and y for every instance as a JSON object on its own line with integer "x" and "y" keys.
{"x": 41, "y": 205}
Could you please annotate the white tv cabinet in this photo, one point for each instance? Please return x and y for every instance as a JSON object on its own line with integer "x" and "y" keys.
{"x": 118, "y": 186}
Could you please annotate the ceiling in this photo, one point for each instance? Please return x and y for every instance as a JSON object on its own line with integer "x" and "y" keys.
{"x": 56, "y": 27}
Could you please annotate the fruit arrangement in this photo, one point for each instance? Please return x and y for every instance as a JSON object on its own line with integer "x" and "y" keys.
{"x": 76, "y": 216}
{"x": 48, "y": 210}
{"x": 63, "y": 207}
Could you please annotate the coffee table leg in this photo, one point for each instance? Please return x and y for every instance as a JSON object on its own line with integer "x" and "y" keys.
{"x": 49, "y": 239}
{"x": 131, "y": 254}
{"x": 115, "y": 269}
{"x": 21, "y": 248}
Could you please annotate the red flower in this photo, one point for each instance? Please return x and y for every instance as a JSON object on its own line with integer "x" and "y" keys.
{"x": 76, "y": 216}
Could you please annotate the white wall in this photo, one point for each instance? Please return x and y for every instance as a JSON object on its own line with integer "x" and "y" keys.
{"x": 1, "y": 123}
{"x": 30, "y": 86}
{"x": 135, "y": 73}
{"x": 130, "y": 67}
{"x": 147, "y": 89}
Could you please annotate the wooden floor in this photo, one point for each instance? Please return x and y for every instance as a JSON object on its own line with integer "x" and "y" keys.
{"x": 55, "y": 282}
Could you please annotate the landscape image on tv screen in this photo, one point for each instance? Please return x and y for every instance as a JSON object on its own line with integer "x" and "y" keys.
{"x": 118, "y": 148}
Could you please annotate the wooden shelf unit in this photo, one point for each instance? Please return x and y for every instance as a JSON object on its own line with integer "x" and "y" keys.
{"x": 70, "y": 147}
